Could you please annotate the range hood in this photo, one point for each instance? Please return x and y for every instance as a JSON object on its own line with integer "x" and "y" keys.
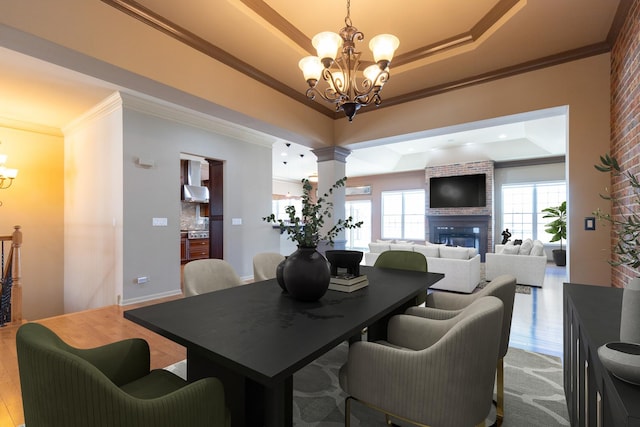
{"x": 193, "y": 191}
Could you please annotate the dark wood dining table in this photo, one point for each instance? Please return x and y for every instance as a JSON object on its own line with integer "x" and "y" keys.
{"x": 255, "y": 337}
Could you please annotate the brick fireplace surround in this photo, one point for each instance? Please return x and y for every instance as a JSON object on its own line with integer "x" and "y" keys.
{"x": 462, "y": 226}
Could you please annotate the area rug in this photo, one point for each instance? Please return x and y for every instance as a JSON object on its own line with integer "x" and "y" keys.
{"x": 520, "y": 289}
{"x": 534, "y": 395}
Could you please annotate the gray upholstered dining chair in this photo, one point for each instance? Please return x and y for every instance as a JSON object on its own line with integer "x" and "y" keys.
{"x": 265, "y": 264}
{"x": 208, "y": 275}
{"x": 429, "y": 372}
{"x": 444, "y": 305}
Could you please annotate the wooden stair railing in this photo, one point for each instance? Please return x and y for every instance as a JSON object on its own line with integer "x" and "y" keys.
{"x": 11, "y": 290}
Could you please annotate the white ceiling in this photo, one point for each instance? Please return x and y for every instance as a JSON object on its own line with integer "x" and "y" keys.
{"x": 501, "y": 35}
{"x": 536, "y": 135}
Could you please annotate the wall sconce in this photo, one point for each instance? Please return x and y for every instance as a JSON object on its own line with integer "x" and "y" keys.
{"x": 6, "y": 175}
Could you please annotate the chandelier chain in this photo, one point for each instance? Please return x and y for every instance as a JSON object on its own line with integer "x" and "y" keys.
{"x": 347, "y": 19}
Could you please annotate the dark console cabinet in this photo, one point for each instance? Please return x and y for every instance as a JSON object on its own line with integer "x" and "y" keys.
{"x": 595, "y": 398}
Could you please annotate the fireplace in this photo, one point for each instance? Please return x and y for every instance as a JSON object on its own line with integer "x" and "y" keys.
{"x": 460, "y": 230}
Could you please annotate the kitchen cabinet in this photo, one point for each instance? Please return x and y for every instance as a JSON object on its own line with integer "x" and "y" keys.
{"x": 198, "y": 248}
{"x": 191, "y": 249}
{"x": 594, "y": 396}
{"x": 183, "y": 250}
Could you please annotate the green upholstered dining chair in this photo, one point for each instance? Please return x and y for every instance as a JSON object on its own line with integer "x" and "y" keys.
{"x": 208, "y": 275}
{"x": 404, "y": 260}
{"x": 108, "y": 386}
{"x": 429, "y": 372}
{"x": 445, "y": 305}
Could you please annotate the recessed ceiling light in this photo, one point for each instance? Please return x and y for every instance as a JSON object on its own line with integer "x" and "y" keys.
{"x": 502, "y": 136}
{"x": 283, "y": 154}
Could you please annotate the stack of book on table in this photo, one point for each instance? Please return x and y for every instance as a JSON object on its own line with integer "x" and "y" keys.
{"x": 348, "y": 282}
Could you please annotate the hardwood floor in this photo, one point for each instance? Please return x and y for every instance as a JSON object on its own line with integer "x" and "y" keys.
{"x": 84, "y": 329}
{"x": 536, "y": 326}
{"x": 537, "y": 318}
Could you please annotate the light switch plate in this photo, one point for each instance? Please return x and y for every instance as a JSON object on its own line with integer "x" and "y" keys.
{"x": 159, "y": 222}
{"x": 236, "y": 221}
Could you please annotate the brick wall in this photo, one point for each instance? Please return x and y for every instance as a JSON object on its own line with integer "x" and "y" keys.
{"x": 625, "y": 119}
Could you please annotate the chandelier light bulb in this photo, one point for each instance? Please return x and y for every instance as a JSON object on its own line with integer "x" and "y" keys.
{"x": 372, "y": 72}
{"x": 311, "y": 69}
{"x": 383, "y": 47}
{"x": 327, "y": 45}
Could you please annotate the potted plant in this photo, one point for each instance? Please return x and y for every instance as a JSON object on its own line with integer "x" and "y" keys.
{"x": 558, "y": 230}
{"x": 305, "y": 272}
{"x": 626, "y": 227}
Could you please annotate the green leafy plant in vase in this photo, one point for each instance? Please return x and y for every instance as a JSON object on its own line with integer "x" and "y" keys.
{"x": 626, "y": 225}
{"x": 558, "y": 230}
{"x": 305, "y": 273}
{"x": 626, "y": 228}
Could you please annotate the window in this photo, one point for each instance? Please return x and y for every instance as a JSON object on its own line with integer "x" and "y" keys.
{"x": 403, "y": 214}
{"x": 279, "y": 207}
{"x": 522, "y": 206}
{"x": 358, "y": 238}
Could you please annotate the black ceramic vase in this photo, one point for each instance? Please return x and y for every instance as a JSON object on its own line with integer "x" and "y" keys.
{"x": 280, "y": 274}
{"x": 306, "y": 274}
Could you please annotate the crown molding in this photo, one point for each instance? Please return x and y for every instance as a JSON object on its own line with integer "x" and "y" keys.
{"x": 9, "y": 123}
{"x": 501, "y": 9}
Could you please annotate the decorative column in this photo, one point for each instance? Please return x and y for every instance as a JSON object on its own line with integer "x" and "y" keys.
{"x": 332, "y": 167}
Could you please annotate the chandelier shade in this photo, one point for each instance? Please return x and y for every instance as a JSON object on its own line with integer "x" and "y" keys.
{"x": 6, "y": 175}
{"x": 335, "y": 74}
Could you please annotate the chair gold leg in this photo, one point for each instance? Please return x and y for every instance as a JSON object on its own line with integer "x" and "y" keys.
{"x": 500, "y": 392}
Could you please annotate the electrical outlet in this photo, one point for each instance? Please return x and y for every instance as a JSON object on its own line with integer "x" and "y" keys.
{"x": 141, "y": 280}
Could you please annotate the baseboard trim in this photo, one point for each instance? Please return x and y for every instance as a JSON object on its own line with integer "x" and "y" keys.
{"x": 146, "y": 298}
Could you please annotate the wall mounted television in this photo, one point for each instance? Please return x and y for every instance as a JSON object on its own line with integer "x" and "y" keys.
{"x": 460, "y": 191}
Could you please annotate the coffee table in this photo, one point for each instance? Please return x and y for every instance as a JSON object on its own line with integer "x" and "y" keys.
{"x": 255, "y": 337}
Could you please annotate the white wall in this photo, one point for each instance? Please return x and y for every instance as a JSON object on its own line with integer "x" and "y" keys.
{"x": 35, "y": 202}
{"x": 155, "y": 192}
{"x": 110, "y": 200}
{"x": 93, "y": 208}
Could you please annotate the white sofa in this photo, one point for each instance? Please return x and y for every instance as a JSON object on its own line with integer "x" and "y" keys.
{"x": 460, "y": 266}
{"x": 526, "y": 262}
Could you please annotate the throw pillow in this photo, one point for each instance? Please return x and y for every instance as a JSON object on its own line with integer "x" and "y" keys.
{"x": 383, "y": 241}
{"x": 511, "y": 249}
{"x": 378, "y": 247}
{"x": 454, "y": 253}
{"x": 400, "y": 247}
{"x": 472, "y": 251}
{"x": 428, "y": 243}
{"x": 525, "y": 247}
{"x": 402, "y": 242}
{"x": 431, "y": 251}
{"x": 537, "y": 249}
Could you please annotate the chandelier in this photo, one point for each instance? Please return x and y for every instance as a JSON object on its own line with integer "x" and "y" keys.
{"x": 343, "y": 86}
{"x": 6, "y": 175}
